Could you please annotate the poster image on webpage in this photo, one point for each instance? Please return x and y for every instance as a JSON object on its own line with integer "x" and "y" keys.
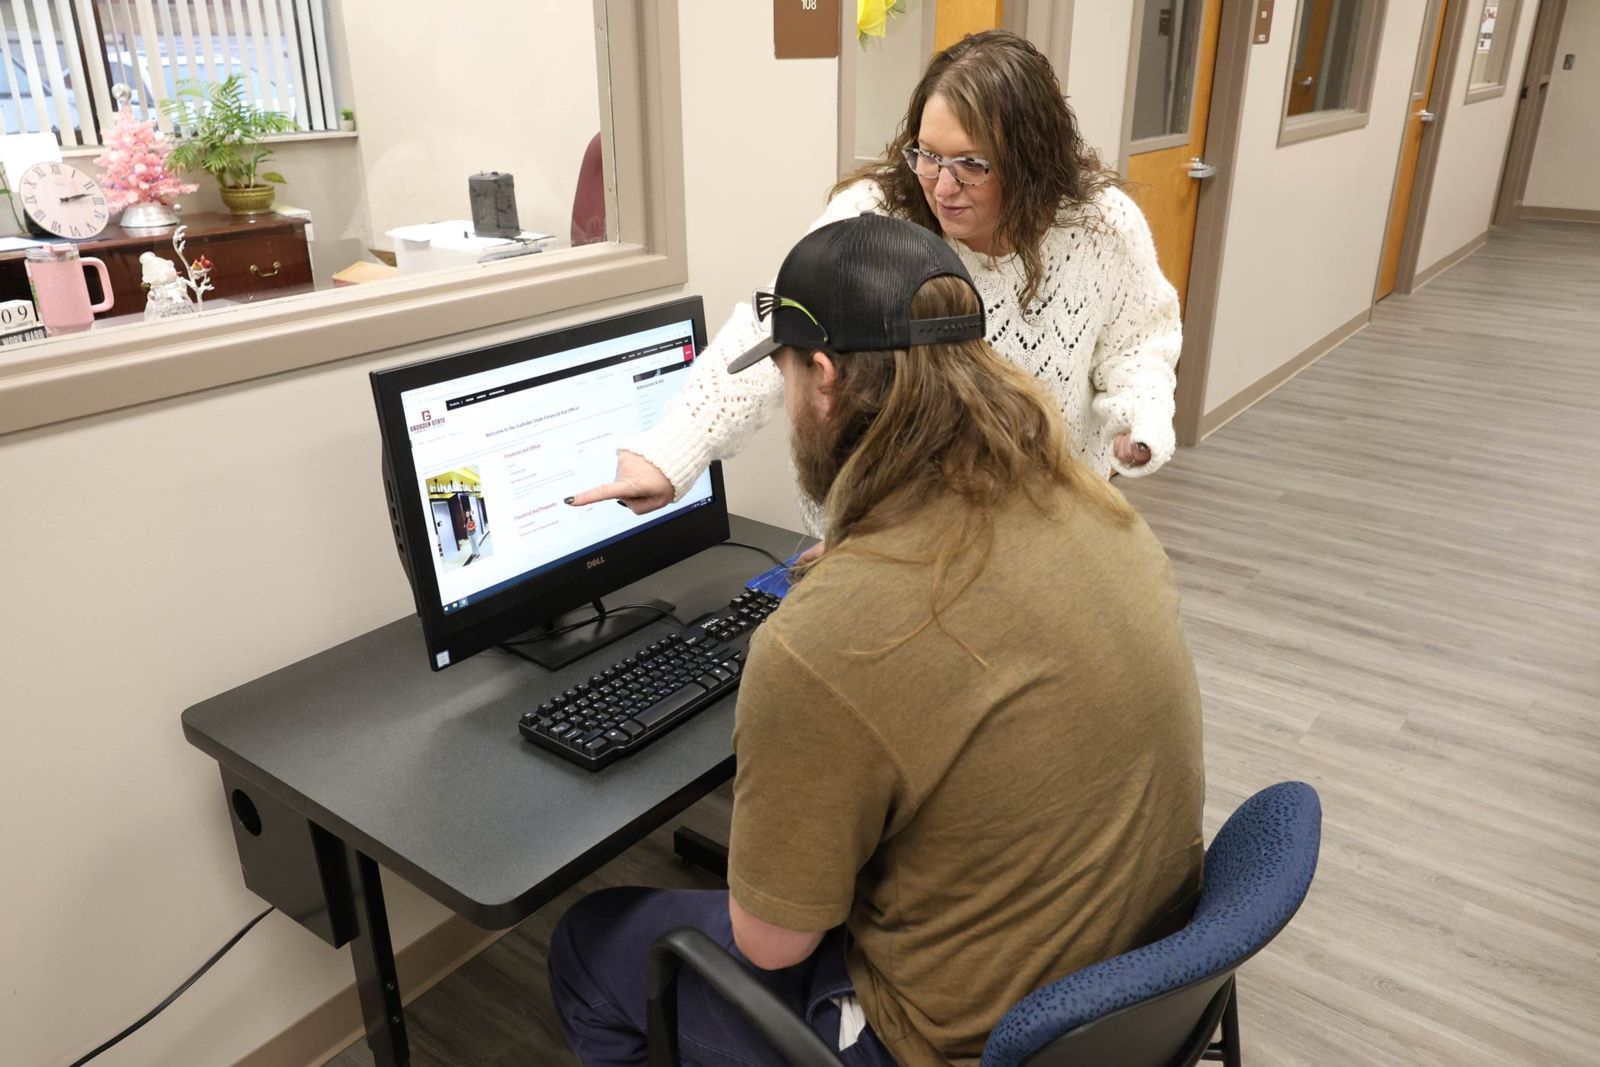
{"x": 460, "y": 517}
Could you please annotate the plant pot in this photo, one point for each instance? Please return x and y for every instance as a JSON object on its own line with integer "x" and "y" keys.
{"x": 147, "y": 217}
{"x": 249, "y": 199}
{"x": 347, "y": 125}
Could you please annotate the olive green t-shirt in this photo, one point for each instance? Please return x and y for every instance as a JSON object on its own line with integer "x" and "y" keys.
{"x": 983, "y": 821}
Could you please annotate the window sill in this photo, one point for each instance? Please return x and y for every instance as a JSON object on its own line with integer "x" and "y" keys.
{"x": 1158, "y": 144}
{"x": 1477, "y": 93}
{"x": 1320, "y": 124}
{"x": 93, "y": 373}
{"x": 89, "y": 151}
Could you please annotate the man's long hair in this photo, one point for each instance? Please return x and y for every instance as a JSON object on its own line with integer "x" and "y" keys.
{"x": 954, "y": 425}
{"x": 1005, "y": 94}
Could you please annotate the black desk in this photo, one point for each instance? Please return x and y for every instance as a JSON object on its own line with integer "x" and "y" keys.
{"x": 361, "y": 756}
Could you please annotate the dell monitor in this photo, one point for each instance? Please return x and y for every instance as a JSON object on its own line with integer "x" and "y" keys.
{"x": 480, "y": 450}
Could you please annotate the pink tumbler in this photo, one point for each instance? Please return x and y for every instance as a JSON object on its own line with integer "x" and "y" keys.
{"x": 60, "y": 290}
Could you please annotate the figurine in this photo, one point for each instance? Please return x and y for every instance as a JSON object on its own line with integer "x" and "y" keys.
{"x": 170, "y": 293}
{"x": 169, "y": 296}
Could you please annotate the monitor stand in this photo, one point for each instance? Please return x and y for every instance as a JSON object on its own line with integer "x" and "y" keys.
{"x": 560, "y": 649}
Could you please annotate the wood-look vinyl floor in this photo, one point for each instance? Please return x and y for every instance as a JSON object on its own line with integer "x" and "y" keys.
{"x": 1391, "y": 577}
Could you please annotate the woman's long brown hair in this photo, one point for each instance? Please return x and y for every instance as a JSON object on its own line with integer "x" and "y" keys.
{"x": 956, "y": 425}
{"x": 1005, "y": 93}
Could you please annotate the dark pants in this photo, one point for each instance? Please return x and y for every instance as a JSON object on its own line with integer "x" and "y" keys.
{"x": 597, "y": 978}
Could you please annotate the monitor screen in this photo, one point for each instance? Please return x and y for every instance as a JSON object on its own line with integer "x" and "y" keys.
{"x": 497, "y": 452}
{"x": 493, "y": 443}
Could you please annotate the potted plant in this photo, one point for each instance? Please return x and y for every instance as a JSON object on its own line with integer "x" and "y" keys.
{"x": 347, "y": 120}
{"x": 222, "y": 134}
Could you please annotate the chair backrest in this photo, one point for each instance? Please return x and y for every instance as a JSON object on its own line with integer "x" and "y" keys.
{"x": 1146, "y": 1008}
{"x": 589, "y": 198}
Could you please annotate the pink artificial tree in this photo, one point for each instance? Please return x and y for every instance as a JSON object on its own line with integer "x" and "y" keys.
{"x": 136, "y": 175}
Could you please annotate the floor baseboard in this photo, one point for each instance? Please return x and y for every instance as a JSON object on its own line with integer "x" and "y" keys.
{"x": 1429, "y": 274}
{"x": 331, "y": 1027}
{"x": 1560, "y": 214}
{"x": 1256, "y": 391}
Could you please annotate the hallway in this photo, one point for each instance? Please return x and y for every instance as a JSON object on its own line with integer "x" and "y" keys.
{"x": 1391, "y": 578}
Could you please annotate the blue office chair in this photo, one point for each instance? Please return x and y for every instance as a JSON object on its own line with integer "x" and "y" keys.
{"x": 1157, "y": 1006}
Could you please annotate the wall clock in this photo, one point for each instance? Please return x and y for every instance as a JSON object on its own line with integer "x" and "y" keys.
{"x": 60, "y": 199}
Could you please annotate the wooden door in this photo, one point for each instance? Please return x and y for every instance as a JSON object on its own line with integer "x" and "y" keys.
{"x": 1175, "y": 60}
{"x": 957, "y": 18}
{"x": 1424, "y": 97}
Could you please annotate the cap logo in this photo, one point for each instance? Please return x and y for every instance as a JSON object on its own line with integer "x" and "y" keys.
{"x": 766, "y": 300}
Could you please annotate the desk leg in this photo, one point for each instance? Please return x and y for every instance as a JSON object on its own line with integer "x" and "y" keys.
{"x": 373, "y": 955}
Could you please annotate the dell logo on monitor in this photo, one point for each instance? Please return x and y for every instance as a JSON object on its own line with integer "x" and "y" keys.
{"x": 593, "y": 563}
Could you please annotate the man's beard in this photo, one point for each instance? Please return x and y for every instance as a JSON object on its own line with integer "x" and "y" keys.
{"x": 814, "y": 465}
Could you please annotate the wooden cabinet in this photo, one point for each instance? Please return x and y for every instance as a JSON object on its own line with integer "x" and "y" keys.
{"x": 253, "y": 257}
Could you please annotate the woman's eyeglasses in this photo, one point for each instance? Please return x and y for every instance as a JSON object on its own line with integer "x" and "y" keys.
{"x": 964, "y": 169}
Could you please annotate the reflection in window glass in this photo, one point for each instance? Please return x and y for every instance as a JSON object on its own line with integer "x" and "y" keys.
{"x": 1164, "y": 92}
{"x": 1492, "y": 53}
{"x": 1325, "y": 56}
{"x": 512, "y": 90}
{"x": 394, "y": 112}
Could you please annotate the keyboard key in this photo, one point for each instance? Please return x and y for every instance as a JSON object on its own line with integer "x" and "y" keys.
{"x": 631, "y": 728}
{"x": 596, "y": 747}
{"x": 616, "y": 737}
{"x": 720, "y": 675}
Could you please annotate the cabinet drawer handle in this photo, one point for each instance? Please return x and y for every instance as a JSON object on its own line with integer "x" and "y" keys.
{"x": 276, "y": 267}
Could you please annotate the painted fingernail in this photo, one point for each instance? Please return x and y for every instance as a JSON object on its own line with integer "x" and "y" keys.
{"x": 568, "y": 499}
{"x": 622, "y": 503}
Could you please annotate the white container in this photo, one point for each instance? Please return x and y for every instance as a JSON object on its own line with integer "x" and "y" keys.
{"x": 434, "y": 246}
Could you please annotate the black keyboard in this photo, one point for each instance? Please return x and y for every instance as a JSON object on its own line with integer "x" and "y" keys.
{"x": 635, "y": 700}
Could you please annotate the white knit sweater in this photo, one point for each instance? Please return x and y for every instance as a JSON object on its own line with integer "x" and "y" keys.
{"x": 1102, "y": 336}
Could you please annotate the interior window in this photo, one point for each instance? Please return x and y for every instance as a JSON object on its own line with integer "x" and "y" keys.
{"x": 371, "y": 148}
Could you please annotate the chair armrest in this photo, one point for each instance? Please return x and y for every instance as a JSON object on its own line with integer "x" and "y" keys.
{"x": 796, "y": 1042}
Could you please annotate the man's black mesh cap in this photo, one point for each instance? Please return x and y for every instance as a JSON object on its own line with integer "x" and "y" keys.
{"x": 847, "y": 287}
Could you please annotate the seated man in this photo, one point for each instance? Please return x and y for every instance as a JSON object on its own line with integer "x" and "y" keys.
{"x": 969, "y": 739}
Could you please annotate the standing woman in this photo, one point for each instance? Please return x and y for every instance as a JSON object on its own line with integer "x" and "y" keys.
{"x": 990, "y": 158}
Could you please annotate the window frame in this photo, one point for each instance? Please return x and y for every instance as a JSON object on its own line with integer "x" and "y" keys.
{"x": 636, "y": 42}
{"x": 1500, "y": 48}
{"x": 1295, "y": 129}
{"x": 1161, "y": 142}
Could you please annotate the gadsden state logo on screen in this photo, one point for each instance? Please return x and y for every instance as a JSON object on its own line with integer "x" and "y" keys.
{"x": 428, "y": 422}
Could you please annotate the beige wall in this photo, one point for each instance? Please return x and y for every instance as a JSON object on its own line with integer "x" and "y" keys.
{"x": 1566, "y": 159}
{"x": 1472, "y": 149}
{"x": 1307, "y": 220}
{"x": 745, "y": 210}
{"x": 166, "y": 554}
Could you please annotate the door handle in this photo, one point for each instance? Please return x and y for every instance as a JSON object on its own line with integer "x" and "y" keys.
{"x": 258, "y": 272}
{"x": 1426, "y": 116}
{"x": 1199, "y": 168}
{"x": 1307, "y": 82}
